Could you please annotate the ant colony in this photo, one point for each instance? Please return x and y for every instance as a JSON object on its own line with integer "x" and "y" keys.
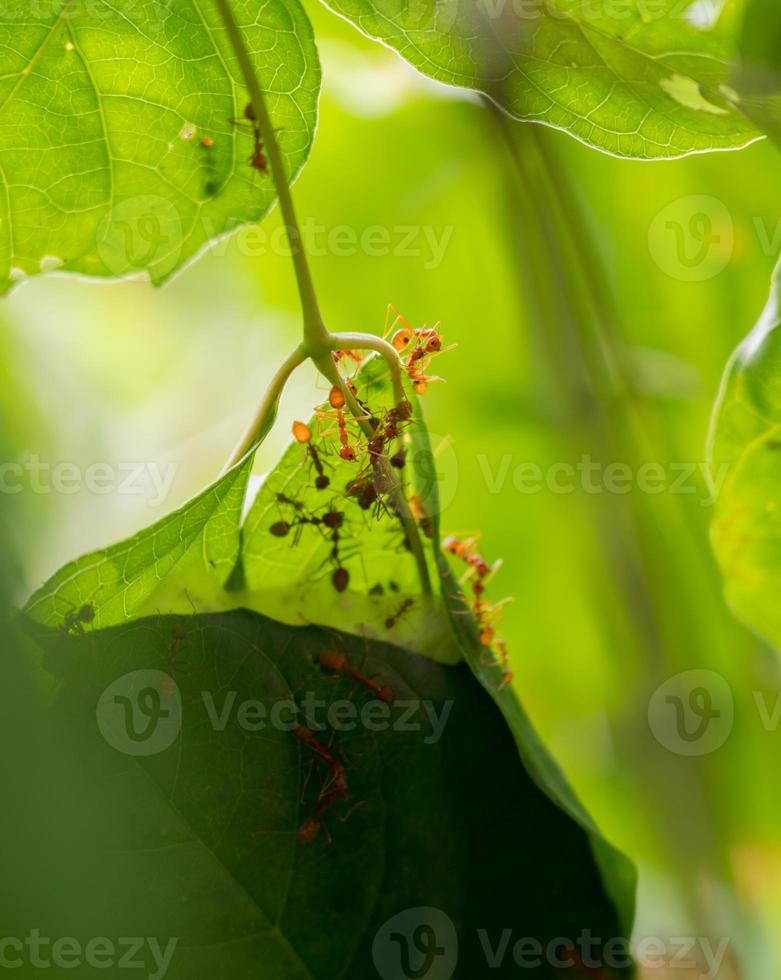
{"x": 353, "y": 462}
{"x": 353, "y": 457}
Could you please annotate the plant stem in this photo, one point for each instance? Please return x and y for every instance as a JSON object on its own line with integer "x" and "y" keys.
{"x": 318, "y": 342}
{"x": 267, "y": 411}
{"x": 327, "y": 368}
{"x": 315, "y": 332}
{"x": 367, "y": 341}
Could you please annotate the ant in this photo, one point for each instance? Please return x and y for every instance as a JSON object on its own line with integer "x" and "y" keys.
{"x": 364, "y": 489}
{"x": 75, "y": 620}
{"x": 346, "y": 451}
{"x": 334, "y": 789}
{"x": 404, "y": 608}
{"x": 258, "y": 159}
{"x": 178, "y": 642}
{"x": 484, "y": 612}
{"x": 337, "y": 662}
{"x": 419, "y": 344}
{"x": 212, "y": 185}
{"x": 303, "y": 435}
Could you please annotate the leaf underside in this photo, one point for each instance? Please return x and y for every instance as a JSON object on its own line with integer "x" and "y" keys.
{"x": 103, "y": 113}
{"x": 203, "y": 835}
{"x": 636, "y": 85}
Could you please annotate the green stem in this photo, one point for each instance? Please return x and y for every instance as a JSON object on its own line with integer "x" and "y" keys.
{"x": 318, "y": 343}
{"x": 315, "y": 332}
{"x": 367, "y": 341}
{"x": 267, "y": 411}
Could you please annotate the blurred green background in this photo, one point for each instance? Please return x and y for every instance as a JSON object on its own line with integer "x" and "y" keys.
{"x": 613, "y": 593}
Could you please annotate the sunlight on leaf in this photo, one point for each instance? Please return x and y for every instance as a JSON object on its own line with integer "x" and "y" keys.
{"x": 117, "y": 150}
{"x": 112, "y": 585}
{"x": 604, "y": 79}
{"x": 745, "y": 465}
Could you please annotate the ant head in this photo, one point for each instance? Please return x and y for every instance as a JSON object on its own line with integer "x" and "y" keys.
{"x": 386, "y": 694}
{"x": 453, "y": 546}
{"x": 333, "y": 519}
{"x": 280, "y": 529}
{"x": 434, "y": 342}
{"x": 348, "y": 453}
{"x": 249, "y": 112}
{"x": 402, "y": 339}
{"x": 87, "y": 613}
{"x": 322, "y": 482}
{"x": 421, "y": 387}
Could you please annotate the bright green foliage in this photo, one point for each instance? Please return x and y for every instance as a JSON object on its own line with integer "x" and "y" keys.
{"x": 291, "y": 577}
{"x": 103, "y": 113}
{"x": 199, "y": 541}
{"x": 643, "y": 82}
{"x": 746, "y": 448}
{"x": 759, "y": 78}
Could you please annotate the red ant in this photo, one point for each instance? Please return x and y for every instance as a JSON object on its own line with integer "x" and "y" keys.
{"x": 303, "y": 434}
{"x": 484, "y": 612}
{"x": 75, "y": 620}
{"x": 420, "y": 345}
{"x": 353, "y": 355}
{"x": 346, "y": 451}
{"x": 178, "y": 643}
{"x": 335, "y": 788}
{"x": 391, "y": 621}
{"x": 337, "y": 662}
{"x": 258, "y": 159}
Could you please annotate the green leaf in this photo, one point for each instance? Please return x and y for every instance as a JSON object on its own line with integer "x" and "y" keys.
{"x": 643, "y": 84}
{"x": 192, "y": 827}
{"x": 199, "y": 540}
{"x": 758, "y": 80}
{"x": 745, "y": 467}
{"x": 292, "y": 577}
{"x": 103, "y": 110}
